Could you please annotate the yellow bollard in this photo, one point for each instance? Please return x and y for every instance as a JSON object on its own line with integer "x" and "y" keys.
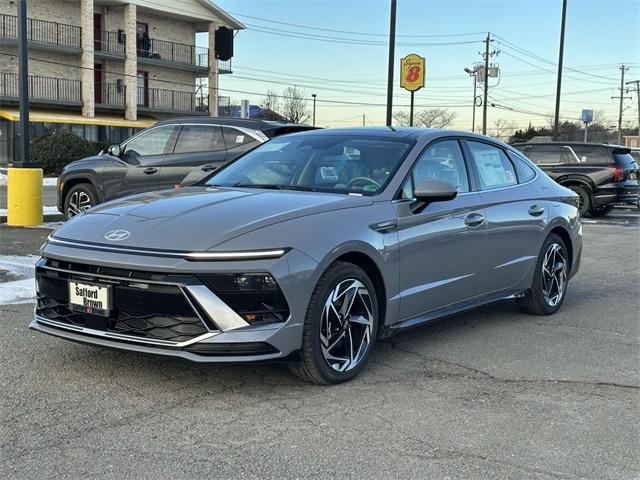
{"x": 24, "y": 196}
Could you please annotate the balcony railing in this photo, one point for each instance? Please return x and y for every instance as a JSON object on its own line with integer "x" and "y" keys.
{"x": 42, "y": 88}
{"x": 41, "y": 31}
{"x": 171, "y": 100}
{"x": 110, "y": 94}
{"x": 111, "y": 43}
{"x": 172, "y": 52}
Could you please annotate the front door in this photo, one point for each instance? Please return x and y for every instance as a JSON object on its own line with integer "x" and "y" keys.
{"x": 146, "y": 156}
{"x": 443, "y": 246}
{"x": 143, "y": 88}
{"x": 97, "y": 32}
{"x": 98, "y": 76}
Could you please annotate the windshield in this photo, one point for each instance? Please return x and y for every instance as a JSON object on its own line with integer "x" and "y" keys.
{"x": 329, "y": 163}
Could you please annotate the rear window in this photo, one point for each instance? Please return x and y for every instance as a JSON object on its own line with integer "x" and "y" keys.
{"x": 524, "y": 170}
{"x": 593, "y": 154}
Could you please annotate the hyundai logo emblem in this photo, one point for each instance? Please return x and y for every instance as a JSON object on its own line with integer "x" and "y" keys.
{"x": 117, "y": 235}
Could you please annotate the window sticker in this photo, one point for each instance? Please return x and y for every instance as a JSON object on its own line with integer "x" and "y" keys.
{"x": 491, "y": 168}
{"x": 328, "y": 173}
{"x": 240, "y": 139}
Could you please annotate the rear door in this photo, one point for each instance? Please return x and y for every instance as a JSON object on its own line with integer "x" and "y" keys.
{"x": 145, "y": 154}
{"x": 199, "y": 149}
{"x": 515, "y": 211}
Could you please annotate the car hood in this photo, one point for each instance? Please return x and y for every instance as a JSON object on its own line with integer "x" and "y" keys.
{"x": 197, "y": 218}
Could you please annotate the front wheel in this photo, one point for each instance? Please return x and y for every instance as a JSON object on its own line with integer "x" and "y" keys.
{"x": 340, "y": 326}
{"x": 550, "y": 279}
{"x": 79, "y": 199}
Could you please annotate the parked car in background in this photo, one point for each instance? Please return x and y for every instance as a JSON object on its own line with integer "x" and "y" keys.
{"x": 172, "y": 152}
{"x": 602, "y": 175}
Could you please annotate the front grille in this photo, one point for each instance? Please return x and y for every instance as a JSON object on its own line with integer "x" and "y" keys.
{"x": 146, "y": 311}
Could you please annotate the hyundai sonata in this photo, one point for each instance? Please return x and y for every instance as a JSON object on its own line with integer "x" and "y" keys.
{"x": 311, "y": 247}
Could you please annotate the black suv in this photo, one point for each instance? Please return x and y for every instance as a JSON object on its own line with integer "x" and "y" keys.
{"x": 602, "y": 175}
{"x": 172, "y": 152}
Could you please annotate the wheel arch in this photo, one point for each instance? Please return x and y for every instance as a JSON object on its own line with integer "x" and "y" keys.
{"x": 577, "y": 181}
{"x": 76, "y": 180}
{"x": 563, "y": 233}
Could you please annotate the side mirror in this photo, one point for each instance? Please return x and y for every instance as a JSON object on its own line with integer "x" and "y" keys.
{"x": 114, "y": 150}
{"x": 429, "y": 191}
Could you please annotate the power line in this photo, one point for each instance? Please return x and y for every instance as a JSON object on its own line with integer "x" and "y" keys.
{"x": 265, "y": 20}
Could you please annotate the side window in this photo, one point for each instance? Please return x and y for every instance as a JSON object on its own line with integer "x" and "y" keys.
{"x": 593, "y": 154}
{"x": 237, "y": 141}
{"x": 152, "y": 142}
{"x": 544, "y": 155}
{"x": 441, "y": 161}
{"x": 525, "y": 172}
{"x": 199, "y": 138}
{"x": 494, "y": 167}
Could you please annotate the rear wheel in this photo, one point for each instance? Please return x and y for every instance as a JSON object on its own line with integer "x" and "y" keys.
{"x": 584, "y": 200}
{"x": 550, "y": 279}
{"x": 601, "y": 210}
{"x": 340, "y": 326}
{"x": 79, "y": 199}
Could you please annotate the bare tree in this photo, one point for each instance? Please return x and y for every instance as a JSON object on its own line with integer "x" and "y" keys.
{"x": 503, "y": 128}
{"x": 294, "y": 106}
{"x": 401, "y": 118}
{"x": 428, "y": 118}
{"x": 271, "y": 101}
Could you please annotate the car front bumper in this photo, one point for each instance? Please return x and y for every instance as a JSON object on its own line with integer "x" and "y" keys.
{"x": 221, "y": 336}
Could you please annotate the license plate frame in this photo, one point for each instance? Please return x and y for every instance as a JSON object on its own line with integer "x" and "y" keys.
{"x": 100, "y": 303}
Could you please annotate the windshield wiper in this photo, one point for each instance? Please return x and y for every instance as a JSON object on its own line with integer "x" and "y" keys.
{"x": 269, "y": 186}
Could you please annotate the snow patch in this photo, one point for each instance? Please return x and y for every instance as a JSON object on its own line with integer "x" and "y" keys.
{"x": 46, "y": 210}
{"x": 47, "y": 181}
{"x": 18, "y": 291}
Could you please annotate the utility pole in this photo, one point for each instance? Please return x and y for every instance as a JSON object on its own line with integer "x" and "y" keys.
{"x": 486, "y": 83}
{"x": 23, "y": 84}
{"x": 637, "y": 90}
{"x": 392, "y": 49}
{"x": 622, "y": 99}
{"x": 556, "y": 123}
{"x": 314, "y": 108}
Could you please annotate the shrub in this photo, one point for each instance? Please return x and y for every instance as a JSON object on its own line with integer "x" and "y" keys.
{"x": 60, "y": 147}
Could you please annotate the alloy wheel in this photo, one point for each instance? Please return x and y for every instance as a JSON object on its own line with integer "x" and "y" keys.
{"x": 79, "y": 202}
{"x": 554, "y": 274}
{"x": 346, "y": 327}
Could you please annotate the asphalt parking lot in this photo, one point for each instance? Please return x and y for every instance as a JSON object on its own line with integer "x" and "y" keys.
{"x": 489, "y": 394}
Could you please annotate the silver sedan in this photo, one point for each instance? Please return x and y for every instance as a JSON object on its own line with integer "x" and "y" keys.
{"x": 311, "y": 247}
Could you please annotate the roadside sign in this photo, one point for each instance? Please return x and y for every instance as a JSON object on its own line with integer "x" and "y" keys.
{"x": 587, "y": 116}
{"x": 412, "y": 72}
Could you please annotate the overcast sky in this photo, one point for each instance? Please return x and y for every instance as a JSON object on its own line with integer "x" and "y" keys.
{"x": 351, "y": 67}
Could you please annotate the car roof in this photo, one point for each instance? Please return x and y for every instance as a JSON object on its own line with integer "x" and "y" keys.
{"x": 252, "y": 123}
{"x": 395, "y": 132}
{"x": 569, "y": 144}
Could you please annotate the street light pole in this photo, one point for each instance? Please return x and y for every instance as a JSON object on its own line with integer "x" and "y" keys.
{"x": 314, "y": 108}
{"x": 392, "y": 48}
{"x": 556, "y": 126}
{"x": 473, "y": 73}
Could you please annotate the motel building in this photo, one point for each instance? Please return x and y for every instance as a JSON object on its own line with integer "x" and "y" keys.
{"x": 105, "y": 68}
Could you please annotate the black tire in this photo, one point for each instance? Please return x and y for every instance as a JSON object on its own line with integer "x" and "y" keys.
{"x": 534, "y": 301}
{"x": 601, "y": 210}
{"x": 311, "y": 365}
{"x": 584, "y": 206}
{"x": 83, "y": 192}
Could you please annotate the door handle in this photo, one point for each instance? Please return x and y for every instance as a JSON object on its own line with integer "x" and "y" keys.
{"x": 208, "y": 168}
{"x": 474, "y": 220}
{"x": 536, "y": 210}
{"x": 150, "y": 170}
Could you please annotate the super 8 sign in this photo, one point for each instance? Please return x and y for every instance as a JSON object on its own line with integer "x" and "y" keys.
{"x": 412, "y": 72}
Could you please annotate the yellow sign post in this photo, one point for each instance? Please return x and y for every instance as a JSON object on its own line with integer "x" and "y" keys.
{"x": 412, "y": 74}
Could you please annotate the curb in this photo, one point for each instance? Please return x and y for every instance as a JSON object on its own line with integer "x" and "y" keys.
{"x": 49, "y": 217}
